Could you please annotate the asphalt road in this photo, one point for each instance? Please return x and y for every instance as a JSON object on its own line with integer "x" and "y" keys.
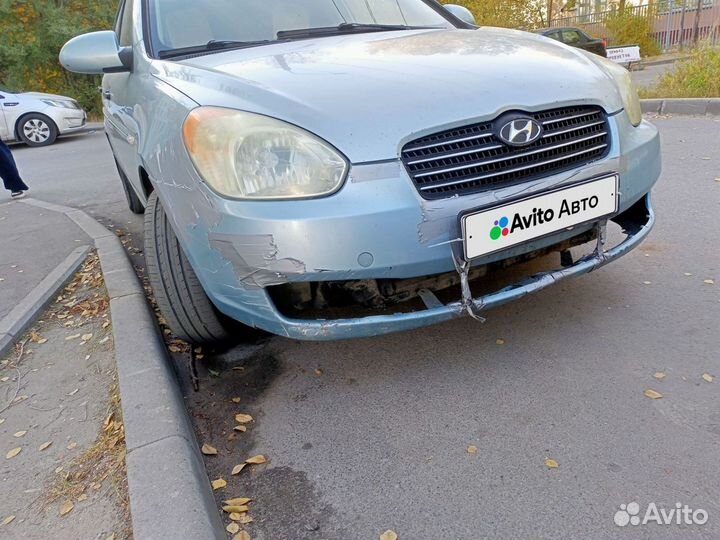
{"x": 377, "y": 438}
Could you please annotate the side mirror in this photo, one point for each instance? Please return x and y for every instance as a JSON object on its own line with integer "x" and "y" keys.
{"x": 96, "y": 53}
{"x": 462, "y": 13}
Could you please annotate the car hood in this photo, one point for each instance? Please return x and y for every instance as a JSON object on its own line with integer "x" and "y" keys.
{"x": 42, "y": 95}
{"x": 369, "y": 94}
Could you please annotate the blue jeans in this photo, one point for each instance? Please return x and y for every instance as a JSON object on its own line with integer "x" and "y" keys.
{"x": 8, "y": 170}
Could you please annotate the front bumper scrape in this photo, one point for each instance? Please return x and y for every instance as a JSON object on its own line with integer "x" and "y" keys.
{"x": 636, "y": 223}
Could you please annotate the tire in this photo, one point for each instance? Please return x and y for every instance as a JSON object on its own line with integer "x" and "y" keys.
{"x": 178, "y": 292}
{"x": 36, "y": 129}
{"x": 133, "y": 201}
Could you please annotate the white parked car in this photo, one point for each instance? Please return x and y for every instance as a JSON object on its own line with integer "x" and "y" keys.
{"x": 38, "y": 119}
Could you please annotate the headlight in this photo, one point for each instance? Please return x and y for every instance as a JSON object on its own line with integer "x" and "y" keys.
{"x": 250, "y": 156}
{"x": 626, "y": 87}
{"x": 59, "y": 104}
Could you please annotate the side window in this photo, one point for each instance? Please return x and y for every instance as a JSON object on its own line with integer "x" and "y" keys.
{"x": 125, "y": 32}
{"x": 571, "y": 37}
{"x": 553, "y": 35}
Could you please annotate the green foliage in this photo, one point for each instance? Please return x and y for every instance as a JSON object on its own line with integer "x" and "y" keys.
{"x": 506, "y": 13}
{"x": 34, "y": 31}
{"x": 696, "y": 77}
{"x": 628, "y": 28}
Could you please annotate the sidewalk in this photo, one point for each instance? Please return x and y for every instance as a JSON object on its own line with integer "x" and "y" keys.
{"x": 62, "y": 468}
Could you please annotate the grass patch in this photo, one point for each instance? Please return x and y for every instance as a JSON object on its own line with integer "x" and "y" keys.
{"x": 696, "y": 77}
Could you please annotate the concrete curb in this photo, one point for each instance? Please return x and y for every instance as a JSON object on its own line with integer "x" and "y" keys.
{"x": 170, "y": 493}
{"x": 689, "y": 106}
{"x": 15, "y": 323}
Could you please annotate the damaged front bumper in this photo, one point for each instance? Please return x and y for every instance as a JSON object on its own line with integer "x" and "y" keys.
{"x": 636, "y": 223}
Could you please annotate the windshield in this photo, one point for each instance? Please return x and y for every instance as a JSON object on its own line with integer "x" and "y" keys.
{"x": 179, "y": 24}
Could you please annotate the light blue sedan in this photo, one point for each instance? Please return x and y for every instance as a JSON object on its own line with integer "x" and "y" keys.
{"x": 329, "y": 169}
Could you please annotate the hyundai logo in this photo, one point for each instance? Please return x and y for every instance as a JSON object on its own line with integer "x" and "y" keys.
{"x": 520, "y": 132}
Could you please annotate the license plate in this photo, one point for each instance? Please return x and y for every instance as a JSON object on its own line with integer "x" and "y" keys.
{"x": 501, "y": 227}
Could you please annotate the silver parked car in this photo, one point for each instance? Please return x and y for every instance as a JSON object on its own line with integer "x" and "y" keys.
{"x": 38, "y": 119}
{"x": 328, "y": 169}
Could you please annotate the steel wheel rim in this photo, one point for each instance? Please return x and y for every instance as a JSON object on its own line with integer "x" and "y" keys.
{"x": 36, "y": 130}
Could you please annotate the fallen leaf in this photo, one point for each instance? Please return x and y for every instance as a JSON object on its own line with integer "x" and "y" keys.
{"x": 19, "y": 434}
{"x": 2, "y": 420}
{"x": 688, "y": 274}
{"x": 389, "y": 535}
{"x": 240, "y": 428}
{"x": 74, "y": 392}
{"x": 707, "y": 377}
{"x": 83, "y": 497}
{"x": 106, "y": 324}
{"x": 242, "y": 535}
{"x": 219, "y": 483}
{"x": 318, "y": 371}
{"x": 66, "y": 508}
{"x": 235, "y": 509}
{"x": 652, "y": 394}
{"x": 12, "y": 453}
{"x": 659, "y": 375}
{"x": 709, "y": 281}
{"x": 111, "y": 537}
{"x": 104, "y": 340}
{"x": 4, "y": 379}
{"x": 235, "y": 400}
{"x": 256, "y": 460}
{"x": 45, "y": 446}
{"x": 71, "y": 445}
{"x": 37, "y": 338}
{"x": 499, "y": 342}
{"x": 647, "y": 282}
{"x": 551, "y": 463}
{"x": 235, "y": 516}
{"x": 208, "y": 450}
{"x": 232, "y": 528}
{"x": 8, "y": 520}
{"x": 74, "y": 336}
{"x": 238, "y": 468}
{"x": 237, "y": 501}
{"x": 472, "y": 449}
{"x": 243, "y": 418}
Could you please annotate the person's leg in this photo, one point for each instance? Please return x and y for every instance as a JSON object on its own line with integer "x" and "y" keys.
{"x": 8, "y": 171}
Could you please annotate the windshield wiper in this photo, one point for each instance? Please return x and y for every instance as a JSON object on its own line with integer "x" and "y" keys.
{"x": 212, "y": 46}
{"x": 345, "y": 28}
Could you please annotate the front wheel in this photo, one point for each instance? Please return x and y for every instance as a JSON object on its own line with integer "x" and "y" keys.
{"x": 37, "y": 130}
{"x": 178, "y": 292}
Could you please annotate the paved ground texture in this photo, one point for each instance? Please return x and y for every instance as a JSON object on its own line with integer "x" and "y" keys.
{"x": 375, "y": 434}
{"x": 61, "y": 435}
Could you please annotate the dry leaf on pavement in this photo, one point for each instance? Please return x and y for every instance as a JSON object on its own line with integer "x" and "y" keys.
{"x": 19, "y": 434}
{"x": 83, "y": 497}
{"x": 232, "y": 528}
{"x": 8, "y": 520}
{"x": 74, "y": 336}
{"x": 71, "y": 445}
{"x": 219, "y": 483}
{"x": 238, "y": 468}
{"x": 499, "y": 342}
{"x": 472, "y": 449}
{"x": 208, "y": 450}
{"x": 243, "y": 418}
{"x": 242, "y": 535}
{"x": 235, "y": 509}
{"x": 709, "y": 281}
{"x": 389, "y": 535}
{"x": 652, "y": 394}
{"x": 235, "y": 400}
{"x": 37, "y": 338}
{"x": 707, "y": 377}
{"x": 659, "y": 375}
{"x": 66, "y": 508}
{"x": 237, "y": 501}
{"x": 45, "y": 446}
{"x": 256, "y": 460}
{"x": 244, "y": 519}
{"x": 12, "y": 453}
{"x": 551, "y": 463}
{"x": 240, "y": 428}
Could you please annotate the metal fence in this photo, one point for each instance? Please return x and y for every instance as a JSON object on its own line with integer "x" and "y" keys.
{"x": 674, "y": 23}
